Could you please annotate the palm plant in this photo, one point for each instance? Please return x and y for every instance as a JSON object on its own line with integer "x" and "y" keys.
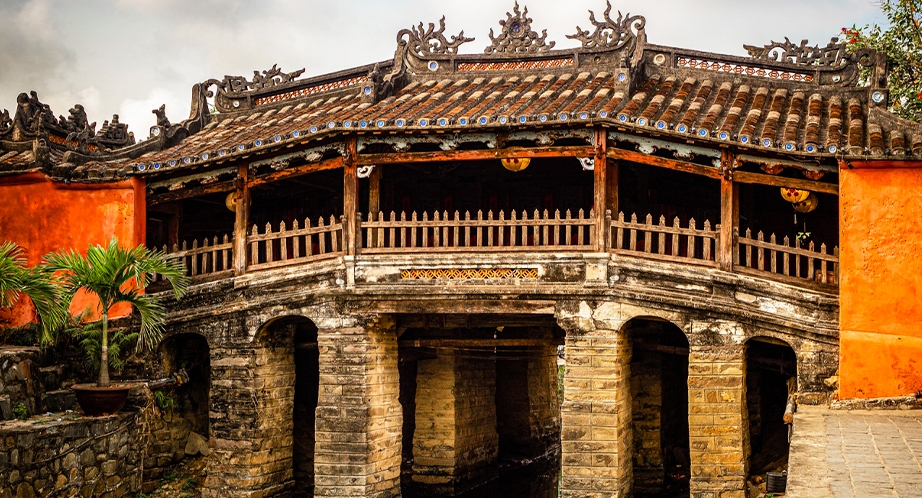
{"x": 120, "y": 275}
{"x": 36, "y": 283}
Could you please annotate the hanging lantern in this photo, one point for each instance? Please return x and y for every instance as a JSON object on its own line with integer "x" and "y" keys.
{"x": 807, "y": 205}
{"x": 515, "y": 164}
{"x": 231, "y": 201}
{"x": 794, "y": 195}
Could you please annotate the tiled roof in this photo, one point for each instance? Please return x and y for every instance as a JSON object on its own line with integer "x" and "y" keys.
{"x": 757, "y": 105}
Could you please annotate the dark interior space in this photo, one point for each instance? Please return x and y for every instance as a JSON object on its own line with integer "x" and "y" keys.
{"x": 307, "y": 381}
{"x": 528, "y": 431}
{"x": 771, "y": 372}
{"x": 763, "y": 209}
{"x": 659, "y": 392}
{"x": 311, "y": 196}
{"x": 189, "y": 352}
{"x": 188, "y": 220}
{"x": 546, "y": 184}
{"x": 659, "y": 192}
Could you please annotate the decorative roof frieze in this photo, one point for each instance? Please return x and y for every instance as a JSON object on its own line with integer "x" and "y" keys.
{"x": 427, "y": 42}
{"x": 517, "y": 37}
{"x": 609, "y": 34}
{"x": 832, "y": 55}
{"x": 267, "y": 79}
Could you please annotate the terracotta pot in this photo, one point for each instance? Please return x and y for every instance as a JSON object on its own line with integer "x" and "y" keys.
{"x": 97, "y": 401}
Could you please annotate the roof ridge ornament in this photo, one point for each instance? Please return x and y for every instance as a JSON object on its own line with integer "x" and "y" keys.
{"x": 517, "y": 37}
{"x": 426, "y": 42}
{"x": 268, "y": 79}
{"x": 611, "y": 34}
{"x": 832, "y": 55}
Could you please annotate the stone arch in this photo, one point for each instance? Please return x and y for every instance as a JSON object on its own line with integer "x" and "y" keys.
{"x": 658, "y": 374}
{"x": 771, "y": 378}
{"x": 291, "y": 343}
{"x": 184, "y": 408}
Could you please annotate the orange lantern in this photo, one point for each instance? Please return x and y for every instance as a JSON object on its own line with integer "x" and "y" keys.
{"x": 515, "y": 164}
{"x": 794, "y": 195}
{"x": 807, "y": 205}
{"x": 231, "y": 201}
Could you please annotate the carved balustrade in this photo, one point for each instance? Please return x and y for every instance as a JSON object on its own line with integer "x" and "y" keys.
{"x": 786, "y": 260}
{"x": 285, "y": 246}
{"x": 674, "y": 242}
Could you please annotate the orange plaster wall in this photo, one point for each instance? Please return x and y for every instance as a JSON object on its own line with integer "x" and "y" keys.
{"x": 881, "y": 280}
{"x": 43, "y": 216}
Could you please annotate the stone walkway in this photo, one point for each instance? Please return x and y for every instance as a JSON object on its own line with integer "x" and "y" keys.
{"x": 855, "y": 454}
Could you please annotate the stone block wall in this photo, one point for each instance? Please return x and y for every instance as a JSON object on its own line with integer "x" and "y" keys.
{"x": 718, "y": 421}
{"x": 543, "y": 394}
{"x": 359, "y": 416}
{"x": 97, "y": 456}
{"x": 647, "y": 394}
{"x": 596, "y": 439}
{"x": 455, "y": 444}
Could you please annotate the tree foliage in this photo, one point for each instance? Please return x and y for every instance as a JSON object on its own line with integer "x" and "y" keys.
{"x": 901, "y": 42}
{"x": 120, "y": 275}
{"x": 36, "y": 283}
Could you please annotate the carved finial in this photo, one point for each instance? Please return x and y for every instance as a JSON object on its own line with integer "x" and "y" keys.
{"x": 425, "y": 42}
{"x": 832, "y": 55}
{"x": 161, "y": 116}
{"x": 517, "y": 36}
{"x": 610, "y": 34}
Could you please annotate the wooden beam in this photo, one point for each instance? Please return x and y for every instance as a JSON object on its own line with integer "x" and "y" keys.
{"x": 178, "y": 195}
{"x": 350, "y": 195}
{"x": 474, "y": 343}
{"x": 332, "y": 163}
{"x": 474, "y": 155}
{"x": 662, "y": 162}
{"x": 780, "y": 181}
{"x": 374, "y": 191}
{"x": 729, "y": 214}
{"x": 241, "y": 219}
{"x": 600, "y": 188}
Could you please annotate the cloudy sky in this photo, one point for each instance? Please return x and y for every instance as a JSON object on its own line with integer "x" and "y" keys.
{"x": 130, "y": 56}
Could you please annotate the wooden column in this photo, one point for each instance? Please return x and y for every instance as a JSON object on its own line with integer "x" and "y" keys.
{"x": 729, "y": 213}
{"x": 600, "y": 187}
{"x": 242, "y": 212}
{"x": 350, "y": 196}
{"x": 374, "y": 191}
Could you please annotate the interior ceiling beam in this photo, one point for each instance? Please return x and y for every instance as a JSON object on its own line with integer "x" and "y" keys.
{"x": 332, "y": 163}
{"x": 781, "y": 181}
{"x": 474, "y": 155}
{"x": 185, "y": 193}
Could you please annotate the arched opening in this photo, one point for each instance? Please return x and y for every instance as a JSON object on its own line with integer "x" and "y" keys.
{"x": 481, "y": 412}
{"x": 294, "y": 341}
{"x": 183, "y": 427}
{"x": 771, "y": 377}
{"x": 659, "y": 408}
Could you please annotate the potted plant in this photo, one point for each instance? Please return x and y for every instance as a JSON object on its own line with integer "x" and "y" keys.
{"x": 116, "y": 275}
{"x": 36, "y": 283}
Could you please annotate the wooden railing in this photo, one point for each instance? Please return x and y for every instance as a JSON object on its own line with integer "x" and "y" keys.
{"x": 787, "y": 260}
{"x": 202, "y": 259}
{"x": 443, "y": 233}
{"x": 519, "y": 232}
{"x": 297, "y": 244}
{"x": 668, "y": 242}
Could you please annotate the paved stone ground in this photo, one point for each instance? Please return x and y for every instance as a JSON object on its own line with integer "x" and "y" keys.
{"x": 855, "y": 454}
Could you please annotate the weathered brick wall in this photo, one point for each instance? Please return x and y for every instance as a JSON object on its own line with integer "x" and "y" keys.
{"x": 647, "y": 396}
{"x": 98, "y": 456}
{"x": 455, "y": 443}
{"x": 359, "y": 416}
{"x": 543, "y": 395}
{"x": 596, "y": 435}
{"x": 718, "y": 421}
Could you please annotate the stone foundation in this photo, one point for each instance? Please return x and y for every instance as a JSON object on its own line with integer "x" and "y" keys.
{"x": 596, "y": 436}
{"x": 718, "y": 421}
{"x": 646, "y": 411}
{"x": 359, "y": 416}
{"x": 455, "y": 444}
{"x": 98, "y": 456}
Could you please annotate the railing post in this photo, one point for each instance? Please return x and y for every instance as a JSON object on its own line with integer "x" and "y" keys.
{"x": 602, "y": 189}
{"x": 350, "y": 197}
{"x": 242, "y": 218}
{"x": 729, "y": 213}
